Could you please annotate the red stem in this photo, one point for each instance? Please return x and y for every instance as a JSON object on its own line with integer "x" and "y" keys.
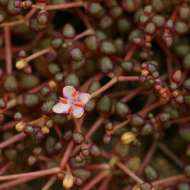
{"x": 104, "y": 184}
{"x": 171, "y": 155}
{"x": 49, "y": 183}
{"x": 36, "y": 174}
{"x": 8, "y": 53}
{"x": 95, "y": 180}
{"x": 12, "y": 140}
{"x": 147, "y": 158}
{"x": 170, "y": 180}
{"x": 129, "y": 173}
{"x": 5, "y": 168}
{"x": 63, "y": 6}
{"x": 67, "y": 154}
{"x": 93, "y": 128}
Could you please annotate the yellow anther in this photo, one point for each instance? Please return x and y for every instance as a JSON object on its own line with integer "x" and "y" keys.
{"x": 68, "y": 181}
{"x": 20, "y": 126}
{"x": 45, "y": 130}
{"x": 21, "y": 64}
{"x": 144, "y": 72}
{"x": 128, "y": 137}
{"x": 52, "y": 84}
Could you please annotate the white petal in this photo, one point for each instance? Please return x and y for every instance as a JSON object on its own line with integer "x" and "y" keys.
{"x": 61, "y": 108}
{"x": 84, "y": 97}
{"x": 69, "y": 92}
{"x": 77, "y": 111}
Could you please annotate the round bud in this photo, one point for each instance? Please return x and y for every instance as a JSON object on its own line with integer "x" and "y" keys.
{"x": 150, "y": 28}
{"x": 147, "y": 129}
{"x": 95, "y": 8}
{"x": 116, "y": 12}
{"x": 123, "y": 25}
{"x": 131, "y": 5}
{"x": 45, "y": 91}
{"x": 119, "y": 44}
{"x": 148, "y": 9}
{"x": 106, "y": 22}
{"x": 127, "y": 65}
{"x": 72, "y": 79}
{"x": 184, "y": 12}
{"x": 104, "y": 104}
{"x": 101, "y": 35}
{"x": 134, "y": 163}
{"x": 31, "y": 100}
{"x": 90, "y": 105}
{"x": 181, "y": 27}
{"x": 122, "y": 109}
{"x": 76, "y": 54}
{"x": 137, "y": 120}
{"x": 91, "y": 42}
{"x": 42, "y": 17}
{"x": 94, "y": 86}
{"x": 158, "y": 20}
{"x": 10, "y": 83}
{"x": 29, "y": 129}
{"x": 49, "y": 123}
{"x": 47, "y": 106}
{"x": 31, "y": 160}
{"x": 107, "y": 47}
{"x": 151, "y": 173}
{"x": 94, "y": 150}
{"x": 59, "y": 76}
{"x": 78, "y": 138}
{"x": 53, "y": 68}
{"x": 56, "y": 43}
{"x": 28, "y": 81}
{"x": 58, "y": 146}
{"x": 68, "y": 31}
{"x": 146, "y": 186}
{"x": 106, "y": 64}
{"x": 182, "y": 49}
{"x": 164, "y": 117}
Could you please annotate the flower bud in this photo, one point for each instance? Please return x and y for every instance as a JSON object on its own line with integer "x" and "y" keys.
{"x": 128, "y": 137}
{"x": 20, "y": 126}
{"x": 177, "y": 76}
{"x": 68, "y": 181}
{"x": 20, "y": 64}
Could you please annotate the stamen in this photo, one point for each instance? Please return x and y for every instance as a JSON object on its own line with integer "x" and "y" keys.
{"x": 63, "y": 100}
{"x": 79, "y": 104}
{"x": 75, "y": 94}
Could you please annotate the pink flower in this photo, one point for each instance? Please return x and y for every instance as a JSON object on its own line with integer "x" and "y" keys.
{"x": 72, "y": 102}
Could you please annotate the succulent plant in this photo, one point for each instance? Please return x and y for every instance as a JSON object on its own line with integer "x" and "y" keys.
{"x": 95, "y": 94}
